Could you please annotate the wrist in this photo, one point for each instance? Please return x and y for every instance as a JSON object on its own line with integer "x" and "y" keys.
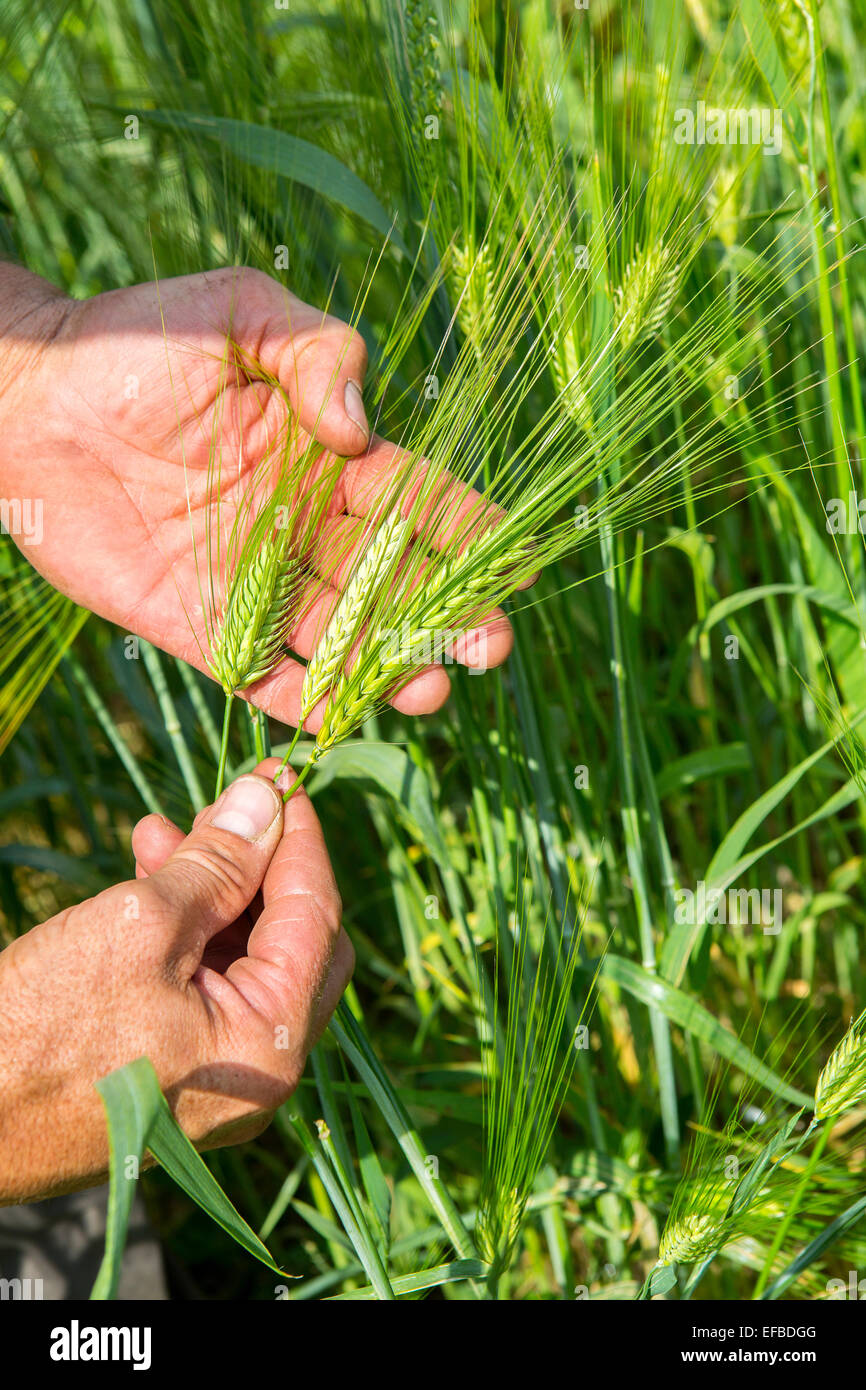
{"x": 33, "y": 314}
{"x": 53, "y": 1136}
{"x": 33, "y": 317}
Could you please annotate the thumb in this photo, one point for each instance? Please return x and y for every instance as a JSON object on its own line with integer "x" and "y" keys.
{"x": 215, "y": 873}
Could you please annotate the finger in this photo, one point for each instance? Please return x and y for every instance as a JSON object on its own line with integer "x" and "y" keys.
{"x": 451, "y": 512}
{"x": 340, "y": 973}
{"x": 319, "y": 361}
{"x": 215, "y": 872}
{"x": 154, "y": 839}
{"x": 291, "y": 947}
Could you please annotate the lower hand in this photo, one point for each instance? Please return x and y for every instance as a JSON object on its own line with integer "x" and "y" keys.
{"x": 222, "y": 962}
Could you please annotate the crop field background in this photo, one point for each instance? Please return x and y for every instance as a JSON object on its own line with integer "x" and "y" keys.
{"x": 607, "y": 903}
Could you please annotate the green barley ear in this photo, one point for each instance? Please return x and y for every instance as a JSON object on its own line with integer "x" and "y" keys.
{"x": 645, "y": 295}
{"x": 374, "y": 567}
{"x": 473, "y": 292}
{"x": 842, "y": 1083}
{"x": 422, "y": 54}
{"x": 693, "y": 1236}
{"x": 455, "y": 590}
{"x": 565, "y": 369}
{"x": 528, "y": 1066}
{"x": 248, "y": 643}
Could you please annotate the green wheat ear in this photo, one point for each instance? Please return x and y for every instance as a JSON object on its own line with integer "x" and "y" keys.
{"x": 257, "y": 618}
{"x": 842, "y": 1083}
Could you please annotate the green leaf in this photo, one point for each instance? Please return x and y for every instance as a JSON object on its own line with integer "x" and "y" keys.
{"x": 53, "y": 861}
{"x": 423, "y": 1279}
{"x": 732, "y": 846}
{"x": 390, "y": 769}
{"x": 701, "y": 765}
{"x": 139, "y": 1118}
{"x": 338, "y": 1185}
{"x": 689, "y": 1014}
{"x": 353, "y": 1039}
{"x": 771, "y": 1153}
{"x": 131, "y": 1103}
{"x": 816, "y": 1248}
{"x": 375, "y": 1185}
{"x": 289, "y": 156}
{"x": 729, "y": 862}
{"x": 662, "y": 1280}
{"x": 766, "y": 54}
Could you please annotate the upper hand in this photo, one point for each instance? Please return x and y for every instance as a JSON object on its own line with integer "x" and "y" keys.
{"x": 118, "y": 413}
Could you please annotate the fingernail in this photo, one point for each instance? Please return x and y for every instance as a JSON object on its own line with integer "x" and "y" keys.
{"x": 248, "y": 808}
{"x": 355, "y": 407}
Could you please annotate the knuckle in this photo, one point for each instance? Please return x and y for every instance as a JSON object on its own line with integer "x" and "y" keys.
{"x": 215, "y": 878}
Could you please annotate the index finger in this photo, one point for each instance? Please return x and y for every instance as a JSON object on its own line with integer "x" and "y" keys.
{"x": 290, "y": 948}
{"x": 385, "y": 471}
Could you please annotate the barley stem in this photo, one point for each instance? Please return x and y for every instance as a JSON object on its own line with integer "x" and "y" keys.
{"x": 224, "y": 745}
{"x": 172, "y": 726}
{"x": 289, "y": 751}
{"x": 793, "y": 1208}
{"x": 299, "y": 779}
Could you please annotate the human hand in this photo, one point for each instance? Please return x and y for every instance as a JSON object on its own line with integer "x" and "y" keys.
{"x": 109, "y": 415}
{"x": 222, "y": 962}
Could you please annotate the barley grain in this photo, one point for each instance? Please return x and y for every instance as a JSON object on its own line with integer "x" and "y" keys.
{"x": 692, "y": 1238}
{"x": 644, "y": 297}
{"x": 257, "y": 617}
{"x": 842, "y": 1083}
{"x": 377, "y": 563}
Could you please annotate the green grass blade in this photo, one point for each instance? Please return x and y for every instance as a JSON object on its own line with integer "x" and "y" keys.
{"x": 293, "y": 158}
{"x": 685, "y": 1011}
{"x": 423, "y": 1279}
{"x": 815, "y": 1249}
{"x": 139, "y": 1118}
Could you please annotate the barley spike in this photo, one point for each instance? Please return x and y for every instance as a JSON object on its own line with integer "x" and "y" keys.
{"x": 333, "y": 648}
{"x": 256, "y": 620}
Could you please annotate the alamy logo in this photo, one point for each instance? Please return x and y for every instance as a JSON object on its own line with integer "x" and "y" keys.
{"x": 20, "y": 1289}
{"x": 713, "y": 125}
{"x": 22, "y": 516}
{"x": 735, "y": 907}
{"x": 77, "y": 1343}
{"x": 408, "y": 646}
{"x": 854, "y": 1289}
{"x": 846, "y": 515}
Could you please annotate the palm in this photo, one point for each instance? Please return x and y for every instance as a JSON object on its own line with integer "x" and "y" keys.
{"x": 144, "y": 404}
